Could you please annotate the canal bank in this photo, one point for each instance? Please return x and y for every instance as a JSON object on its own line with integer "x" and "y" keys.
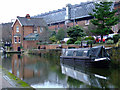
{"x": 114, "y": 53}
{"x": 11, "y": 81}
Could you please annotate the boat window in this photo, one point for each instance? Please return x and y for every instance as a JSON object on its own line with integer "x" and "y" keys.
{"x": 85, "y": 53}
{"x": 82, "y": 53}
{"x": 79, "y": 53}
{"x": 69, "y": 53}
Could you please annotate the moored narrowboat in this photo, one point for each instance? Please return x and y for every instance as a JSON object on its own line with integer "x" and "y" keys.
{"x": 95, "y": 56}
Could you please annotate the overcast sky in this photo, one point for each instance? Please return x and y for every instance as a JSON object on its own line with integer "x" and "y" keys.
{"x": 10, "y": 9}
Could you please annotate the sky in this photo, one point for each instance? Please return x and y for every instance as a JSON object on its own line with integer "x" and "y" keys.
{"x": 10, "y": 9}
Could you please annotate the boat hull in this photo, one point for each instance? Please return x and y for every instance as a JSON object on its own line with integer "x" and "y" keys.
{"x": 85, "y": 62}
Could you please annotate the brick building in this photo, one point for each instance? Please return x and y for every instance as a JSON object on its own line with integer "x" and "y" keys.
{"x": 26, "y": 32}
{"x": 71, "y": 15}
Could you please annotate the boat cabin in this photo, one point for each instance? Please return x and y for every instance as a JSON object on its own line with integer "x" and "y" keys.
{"x": 88, "y": 55}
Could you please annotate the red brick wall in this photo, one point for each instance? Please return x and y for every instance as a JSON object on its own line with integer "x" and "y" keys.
{"x": 14, "y": 30}
{"x": 28, "y": 30}
{"x": 53, "y": 27}
{"x": 55, "y": 46}
{"x": 30, "y": 44}
{"x": 80, "y": 23}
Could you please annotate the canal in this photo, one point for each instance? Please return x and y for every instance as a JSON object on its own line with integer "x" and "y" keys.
{"x": 48, "y": 72}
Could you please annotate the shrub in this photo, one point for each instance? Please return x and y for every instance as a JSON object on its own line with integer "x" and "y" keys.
{"x": 116, "y": 38}
{"x": 109, "y": 41}
{"x": 90, "y": 41}
{"x": 89, "y": 38}
{"x": 77, "y": 42}
{"x": 70, "y": 41}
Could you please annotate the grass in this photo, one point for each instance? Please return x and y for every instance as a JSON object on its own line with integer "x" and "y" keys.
{"x": 21, "y": 83}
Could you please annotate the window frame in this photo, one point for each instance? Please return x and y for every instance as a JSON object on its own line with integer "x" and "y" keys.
{"x": 19, "y": 40}
{"x": 41, "y": 29}
{"x": 17, "y": 28}
{"x": 15, "y": 39}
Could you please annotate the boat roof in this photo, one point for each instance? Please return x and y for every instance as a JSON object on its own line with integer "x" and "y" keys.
{"x": 85, "y": 48}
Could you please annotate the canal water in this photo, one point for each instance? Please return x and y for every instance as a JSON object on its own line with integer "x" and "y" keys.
{"x": 49, "y": 72}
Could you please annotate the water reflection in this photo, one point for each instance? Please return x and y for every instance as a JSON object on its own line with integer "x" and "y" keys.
{"x": 41, "y": 72}
{"x": 36, "y": 71}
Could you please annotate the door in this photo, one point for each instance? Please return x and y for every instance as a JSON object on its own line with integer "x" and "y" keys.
{"x": 18, "y": 48}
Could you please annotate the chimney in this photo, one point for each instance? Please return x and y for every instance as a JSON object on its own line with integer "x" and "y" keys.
{"x": 27, "y": 16}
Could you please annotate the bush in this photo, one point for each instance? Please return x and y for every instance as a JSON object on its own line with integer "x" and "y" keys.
{"x": 70, "y": 41}
{"x": 89, "y": 38}
{"x": 90, "y": 41}
{"x": 110, "y": 41}
{"x": 116, "y": 38}
{"x": 77, "y": 42}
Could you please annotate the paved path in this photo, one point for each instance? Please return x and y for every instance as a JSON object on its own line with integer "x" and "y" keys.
{"x": 3, "y": 82}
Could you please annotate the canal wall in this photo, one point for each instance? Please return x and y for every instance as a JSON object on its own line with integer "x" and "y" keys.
{"x": 45, "y": 52}
{"x": 13, "y": 81}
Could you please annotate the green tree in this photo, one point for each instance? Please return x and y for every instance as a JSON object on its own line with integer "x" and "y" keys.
{"x": 104, "y": 18}
{"x": 75, "y": 32}
{"x": 53, "y": 39}
{"x": 60, "y": 35}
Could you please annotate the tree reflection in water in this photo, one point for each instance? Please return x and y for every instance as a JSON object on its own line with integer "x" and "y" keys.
{"x": 36, "y": 70}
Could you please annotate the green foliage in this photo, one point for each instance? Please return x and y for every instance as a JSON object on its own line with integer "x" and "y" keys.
{"x": 53, "y": 39}
{"x": 77, "y": 42}
{"x": 60, "y": 35}
{"x": 53, "y": 33}
{"x": 109, "y": 41}
{"x": 90, "y": 41}
{"x": 104, "y": 18}
{"x": 70, "y": 41}
{"x": 89, "y": 38}
{"x": 118, "y": 43}
{"x": 75, "y": 32}
{"x": 80, "y": 38}
{"x": 116, "y": 38}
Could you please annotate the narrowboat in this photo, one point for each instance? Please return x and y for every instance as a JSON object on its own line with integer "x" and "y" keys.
{"x": 95, "y": 56}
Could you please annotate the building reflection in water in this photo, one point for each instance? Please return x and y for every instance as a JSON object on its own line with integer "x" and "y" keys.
{"x": 26, "y": 67}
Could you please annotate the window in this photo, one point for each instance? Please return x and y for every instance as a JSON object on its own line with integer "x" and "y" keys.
{"x": 41, "y": 29}
{"x": 19, "y": 40}
{"x": 35, "y": 29}
{"x": 17, "y": 28}
{"x": 15, "y": 39}
{"x": 87, "y": 22}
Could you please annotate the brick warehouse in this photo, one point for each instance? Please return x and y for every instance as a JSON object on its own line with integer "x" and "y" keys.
{"x": 26, "y": 32}
{"x": 72, "y": 15}
{"x": 69, "y": 16}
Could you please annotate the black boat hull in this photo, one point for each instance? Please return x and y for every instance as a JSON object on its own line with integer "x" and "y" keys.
{"x": 85, "y": 62}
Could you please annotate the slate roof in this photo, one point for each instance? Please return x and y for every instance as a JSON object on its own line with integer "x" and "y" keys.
{"x": 32, "y": 21}
{"x": 82, "y": 10}
{"x": 54, "y": 16}
{"x": 17, "y": 34}
{"x": 76, "y": 11}
{"x": 30, "y": 36}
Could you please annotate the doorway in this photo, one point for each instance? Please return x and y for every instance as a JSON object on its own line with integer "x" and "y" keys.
{"x": 18, "y": 48}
